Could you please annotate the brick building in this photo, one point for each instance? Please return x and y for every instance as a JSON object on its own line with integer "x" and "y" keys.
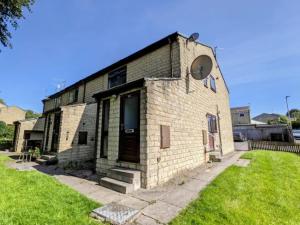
{"x": 144, "y": 112}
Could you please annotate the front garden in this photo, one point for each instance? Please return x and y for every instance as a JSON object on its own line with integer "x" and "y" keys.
{"x": 265, "y": 192}
{"x": 37, "y": 199}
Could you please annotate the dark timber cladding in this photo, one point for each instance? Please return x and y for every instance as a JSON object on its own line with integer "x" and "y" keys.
{"x": 122, "y": 62}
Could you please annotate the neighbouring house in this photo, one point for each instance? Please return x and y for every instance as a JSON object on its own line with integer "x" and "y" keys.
{"x": 256, "y": 129}
{"x": 10, "y": 114}
{"x": 28, "y": 134}
{"x": 145, "y": 113}
{"x": 240, "y": 115}
{"x": 266, "y": 117}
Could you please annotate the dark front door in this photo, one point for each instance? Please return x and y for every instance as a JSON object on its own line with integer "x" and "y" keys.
{"x": 129, "y": 148}
{"x": 55, "y": 134}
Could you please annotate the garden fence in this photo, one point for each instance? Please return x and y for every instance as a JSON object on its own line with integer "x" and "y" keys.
{"x": 274, "y": 146}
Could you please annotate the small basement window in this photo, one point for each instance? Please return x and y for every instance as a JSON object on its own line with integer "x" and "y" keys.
{"x": 213, "y": 84}
{"x": 82, "y": 138}
{"x": 117, "y": 77}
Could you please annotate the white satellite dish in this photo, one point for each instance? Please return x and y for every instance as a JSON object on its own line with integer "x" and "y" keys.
{"x": 201, "y": 67}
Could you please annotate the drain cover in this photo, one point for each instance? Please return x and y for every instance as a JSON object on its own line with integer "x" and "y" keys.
{"x": 115, "y": 213}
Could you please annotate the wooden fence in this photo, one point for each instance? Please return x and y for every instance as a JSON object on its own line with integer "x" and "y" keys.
{"x": 274, "y": 146}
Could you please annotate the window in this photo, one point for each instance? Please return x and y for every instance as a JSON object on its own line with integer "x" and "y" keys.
{"x": 213, "y": 84}
{"x": 82, "y": 138}
{"x": 205, "y": 82}
{"x": 105, "y": 126}
{"x": 117, "y": 77}
{"x": 242, "y": 114}
{"x": 73, "y": 95}
{"x": 57, "y": 101}
{"x": 212, "y": 124}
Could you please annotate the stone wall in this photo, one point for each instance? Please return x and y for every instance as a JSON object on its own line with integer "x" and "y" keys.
{"x": 33, "y": 125}
{"x": 75, "y": 119}
{"x": 240, "y": 115}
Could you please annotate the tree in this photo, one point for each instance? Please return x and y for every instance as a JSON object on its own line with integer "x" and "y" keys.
{"x": 281, "y": 120}
{"x": 2, "y": 101}
{"x": 32, "y": 115}
{"x": 6, "y": 131}
{"x": 294, "y": 113}
{"x": 10, "y": 12}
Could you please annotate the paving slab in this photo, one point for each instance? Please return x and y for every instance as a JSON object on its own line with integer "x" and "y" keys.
{"x": 150, "y": 195}
{"x": 145, "y": 220}
{"x": 105, "y": 196}
{"x": 195, "y": 185}
{"x": 161, "y": 211}
{"x": 180, "y": 197}
{"x": 86, "y": 188}
{"x": 133, "y": 202}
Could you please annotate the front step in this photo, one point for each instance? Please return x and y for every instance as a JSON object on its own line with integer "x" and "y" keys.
{"x": 41, "y": 161}
{"x": 215, "y": 157}
{"x": 116, "y": 185}
{"x": 48, "y": 157}
{"x": 47, "y": 160}
{"x": 122, "y": 180}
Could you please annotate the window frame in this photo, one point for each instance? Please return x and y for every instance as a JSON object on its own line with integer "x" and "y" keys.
{"x": 205, "y": 82}
{"x": 212, "y": 123}
{"x": 73, "y": 96}
{"x": 120, "y": 73}
{"x": 85, "y": 142}
{"x": 213, "y": 84}
{"x": 104, "y": 133}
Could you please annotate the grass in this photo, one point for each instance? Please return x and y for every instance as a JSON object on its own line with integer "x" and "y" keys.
{"x": 37, "y": 199}
{"x": 266, "y": 192}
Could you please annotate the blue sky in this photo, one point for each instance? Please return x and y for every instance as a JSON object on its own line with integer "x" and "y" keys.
{"x": 68, "y": 40}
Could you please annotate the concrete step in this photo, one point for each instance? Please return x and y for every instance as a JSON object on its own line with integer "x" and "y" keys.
{"x": 116, "y": 185}
{"x": 41, "y": 161}
{"x": 48, "y": 157}
{"x": 215, "y": 156}
{"x": 126, "y": 175}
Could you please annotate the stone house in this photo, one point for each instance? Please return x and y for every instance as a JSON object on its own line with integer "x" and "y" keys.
{"x": 144, "y": 113}
{"x": 10, "y": 114}
{"x": 240, "y": 115}
{"x": 28, "y": 134}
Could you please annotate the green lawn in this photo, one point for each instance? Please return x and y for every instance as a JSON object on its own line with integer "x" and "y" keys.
{"x": 267, "y": 192}
{"x": 31, "y": 198}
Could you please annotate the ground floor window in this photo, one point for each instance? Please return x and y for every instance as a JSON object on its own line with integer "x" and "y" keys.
{"x": 212, "y": 124}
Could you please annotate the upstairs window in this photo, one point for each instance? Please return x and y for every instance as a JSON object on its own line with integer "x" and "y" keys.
{"x": 73, "y": 95}
{"x": 117, "y": 77}
{"x": 213, "y": 84}
{"x": 242, "y": 114}
{"x": 212, "y": 124}
{"x": 57, "y": 101}
{"x": 82, "y": 138}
